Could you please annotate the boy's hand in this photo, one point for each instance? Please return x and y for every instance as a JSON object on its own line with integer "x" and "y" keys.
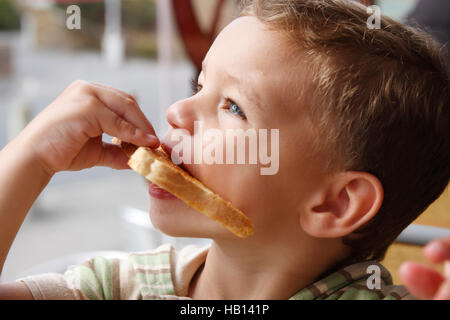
{"x": 424, "y": 282}
{"x": 67, "y": 135}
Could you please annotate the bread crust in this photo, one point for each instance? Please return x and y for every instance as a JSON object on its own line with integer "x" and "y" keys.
{"x": 156, "y": 166}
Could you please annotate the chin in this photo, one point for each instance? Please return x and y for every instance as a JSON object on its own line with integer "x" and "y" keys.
{"x": 177, "y": 219}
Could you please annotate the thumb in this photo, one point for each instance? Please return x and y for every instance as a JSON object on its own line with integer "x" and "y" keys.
{"x": 444, "y": 291}
{"x": 113, "y": 156}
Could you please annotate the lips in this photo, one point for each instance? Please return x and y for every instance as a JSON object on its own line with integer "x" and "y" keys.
{"x": 159, "y": 193}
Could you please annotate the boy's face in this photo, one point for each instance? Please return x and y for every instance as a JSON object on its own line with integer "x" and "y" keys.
{"x": 249, "y": 81}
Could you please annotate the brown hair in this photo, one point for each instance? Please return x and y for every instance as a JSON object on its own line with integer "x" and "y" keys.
{"x": 380, "y": 102}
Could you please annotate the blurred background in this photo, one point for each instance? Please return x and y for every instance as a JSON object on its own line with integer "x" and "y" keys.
{"x": 149, "y": 48}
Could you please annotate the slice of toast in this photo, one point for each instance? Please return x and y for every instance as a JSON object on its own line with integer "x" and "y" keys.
{"x": 156, "y": 166}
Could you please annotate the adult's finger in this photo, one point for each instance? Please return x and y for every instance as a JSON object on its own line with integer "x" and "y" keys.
{"x": 123, "y": 104}
{"x": 421, "y": 281}
{"x": 438, "y": 250}
{"x": 444, "y": 291}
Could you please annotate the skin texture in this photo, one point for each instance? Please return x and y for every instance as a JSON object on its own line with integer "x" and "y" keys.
{"x": 300, "y": 214}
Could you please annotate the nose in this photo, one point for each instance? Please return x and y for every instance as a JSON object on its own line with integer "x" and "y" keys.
{"x": 182, "y": 115}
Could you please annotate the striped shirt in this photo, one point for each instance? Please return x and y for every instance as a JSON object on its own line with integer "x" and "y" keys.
{"x": 166, "y": 274}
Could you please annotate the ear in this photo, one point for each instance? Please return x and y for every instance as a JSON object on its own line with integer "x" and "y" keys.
{"x": 342, "y": 204}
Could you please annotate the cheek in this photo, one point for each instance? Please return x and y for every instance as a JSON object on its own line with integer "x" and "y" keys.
{"x": 239, "y": 184}
{"x": 229, "y": 121}
{"x": 299, "y": 175}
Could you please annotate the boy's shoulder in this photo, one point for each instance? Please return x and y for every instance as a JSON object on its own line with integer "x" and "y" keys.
{"x": 165, "y": 273}
{"x": 368, "y": 280}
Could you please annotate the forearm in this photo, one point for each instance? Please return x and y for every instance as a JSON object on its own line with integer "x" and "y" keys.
{"x": 22, "y": 178}
{"x": 66, "y": 136}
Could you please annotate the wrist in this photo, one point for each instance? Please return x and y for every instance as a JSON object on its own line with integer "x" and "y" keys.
{"x": 22, "y": 178}
{"x": 22, "y": 149}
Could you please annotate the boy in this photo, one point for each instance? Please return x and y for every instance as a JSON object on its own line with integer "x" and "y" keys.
{"x": 364, "y": 148}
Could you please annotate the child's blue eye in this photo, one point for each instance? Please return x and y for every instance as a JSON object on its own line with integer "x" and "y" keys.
{"x": 235, "y": 109}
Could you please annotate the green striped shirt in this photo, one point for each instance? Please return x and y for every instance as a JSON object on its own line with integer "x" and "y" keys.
{"x": 166, "y": 274}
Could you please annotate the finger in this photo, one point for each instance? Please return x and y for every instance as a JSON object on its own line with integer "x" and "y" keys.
{"x": 116, "y": 126}
{"x": 123, "y": 104}
{"x": 438, "y": 250}
{"x": 112, "y": 156}
{"x": 421, "y": 281}
{"x": 444, "y": 291}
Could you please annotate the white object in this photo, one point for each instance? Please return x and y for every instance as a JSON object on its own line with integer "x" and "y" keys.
{"x": 19, "y": 113}
{"x": 113, "y": 46}
{"x": 421, "y": 235}
{"x": 164, "y": 28}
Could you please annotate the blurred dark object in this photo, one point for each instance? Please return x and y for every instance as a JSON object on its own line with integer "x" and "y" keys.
{"x": 434, "y": 17}
{"x": 9, "y": 16}
{"x": 196, "y": 41}
{"x": 88, "y": 37}
{"x": 139, "y": 28}
{"x": 9, "y": 20}
{"x": 5, "y": 59}
{"x": 138, "y": 22}
{"x": 92, "y": 10}
{"x": 139, "y": 14}
{"x": 367, "y": 2}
